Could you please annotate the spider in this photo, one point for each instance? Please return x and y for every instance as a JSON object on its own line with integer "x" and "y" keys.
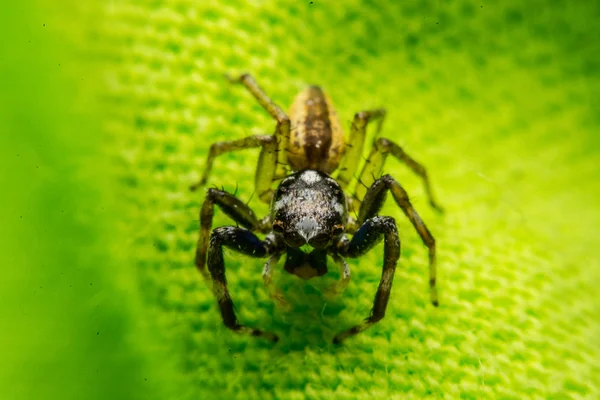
{"x": 311, "y": 215}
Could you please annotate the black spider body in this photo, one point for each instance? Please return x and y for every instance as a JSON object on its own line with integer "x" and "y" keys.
{"x": 308, "y": 211}
{"x": 311, "y": 216}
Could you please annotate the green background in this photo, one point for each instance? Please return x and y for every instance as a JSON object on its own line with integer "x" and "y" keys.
{"x": 107, "y": 110}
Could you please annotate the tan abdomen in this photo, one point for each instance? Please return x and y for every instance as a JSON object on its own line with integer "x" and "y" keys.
{"x": 316, "y": 138}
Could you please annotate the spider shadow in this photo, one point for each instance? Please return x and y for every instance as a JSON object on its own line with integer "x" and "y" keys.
{"x": 314, "y": 317}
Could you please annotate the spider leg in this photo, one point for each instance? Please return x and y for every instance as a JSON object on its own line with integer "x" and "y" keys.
{"x": 282, "y": 131}
{"x": 274, "y": 292}
{"x": 234, "y": 208}
{"x": 372, "y": 203}
{"x": 341, "y": 285}
{"x": 374, "y": 166}
{"x": 356, "y": 141}
{"x": 366, "y": 237}
{"x": 265, "y": 170}
{"x": 245, "y": 242}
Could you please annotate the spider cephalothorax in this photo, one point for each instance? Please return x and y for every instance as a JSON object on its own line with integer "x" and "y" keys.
{"x": 309, "y": 207}
{"x": 308, "y": 211}
{"x": 309, "y": 217}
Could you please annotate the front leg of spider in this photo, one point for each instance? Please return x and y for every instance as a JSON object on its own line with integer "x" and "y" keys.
{"x": 366, "y": 237}
{"x": 372, "y": 203}
{"x": 374, "y": 200}
{"x": 245, "y": 242}
{"x": 234, "y": 208}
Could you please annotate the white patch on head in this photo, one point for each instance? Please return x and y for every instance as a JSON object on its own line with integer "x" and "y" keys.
{"x": 337, "y": 206}
{"x": 289, "y": 178}
{"x": 308, "y": 227}
{"x": 279, "y": 204}
{"x": 310, "y": 177}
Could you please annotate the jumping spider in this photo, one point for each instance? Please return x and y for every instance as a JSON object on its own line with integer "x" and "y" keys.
{"x": 310, "y": 215}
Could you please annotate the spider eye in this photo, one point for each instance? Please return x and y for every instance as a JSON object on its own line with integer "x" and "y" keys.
{"x": 278, "y": 226}
{"x": 320, "y": 241}
{"x": 294, "y": 239}
{"x": 337, "y": 230}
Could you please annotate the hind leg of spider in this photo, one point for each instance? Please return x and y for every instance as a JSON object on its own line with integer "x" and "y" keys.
{"x": 265, "y": 169}
{"x": 241, "y": 241}
{"x": 372, "y": 203}
{"x": 356, "y": 141}
{"x": 282, "y": 131}
{"x": 374, "y": 166}
{"x": 367, "y": 236}
{"x": 235, "y": 209}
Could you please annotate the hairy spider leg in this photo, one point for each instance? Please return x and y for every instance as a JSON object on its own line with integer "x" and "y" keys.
{"x": 356, "y": 141}
{"x": 245, "y": 242}
{"x": 373, "y": 202}
{"x": 365, "y": 238}
{"x": 282, "y": 130}
{"x": 374, "y": 166}
{"x": 341, "y": 285}
{"x": 274, "y": 293}
{"x": 265, "y": 170}
{"x": 231, "y": 206}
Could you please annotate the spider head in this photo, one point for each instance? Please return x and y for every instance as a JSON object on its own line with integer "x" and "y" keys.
{"x": 309, "y": 208}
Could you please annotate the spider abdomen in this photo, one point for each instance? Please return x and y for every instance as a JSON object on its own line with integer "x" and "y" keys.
{"x": 316, "y": 138}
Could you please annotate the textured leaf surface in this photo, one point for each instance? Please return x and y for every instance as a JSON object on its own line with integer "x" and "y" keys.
{"x": 499, "y": 102}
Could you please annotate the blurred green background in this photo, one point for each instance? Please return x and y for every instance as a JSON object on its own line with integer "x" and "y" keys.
{"x": 107, "y": 110}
